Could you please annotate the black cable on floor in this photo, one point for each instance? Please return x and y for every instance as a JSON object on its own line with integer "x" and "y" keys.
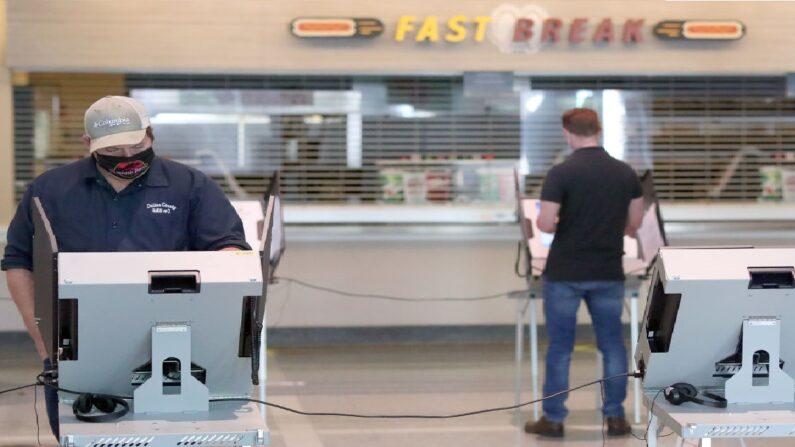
{"x": 11, "y": 390}
{"x": 35, "y": 403}
{"x": 397, "y": 298}
{"x": 602, "y": 391}
{"x": 645, "y": 437}
{"x": 41, "y": 380}
{"x": 36, "y": 412}
{"x": 418, "y": 416}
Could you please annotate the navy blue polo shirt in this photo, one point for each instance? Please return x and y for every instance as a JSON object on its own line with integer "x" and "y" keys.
{"x": 171, "y": 208}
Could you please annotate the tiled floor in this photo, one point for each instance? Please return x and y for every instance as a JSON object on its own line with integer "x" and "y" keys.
{"x": 437, "y": 379}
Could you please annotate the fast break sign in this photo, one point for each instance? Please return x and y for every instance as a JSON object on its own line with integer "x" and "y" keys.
{"x": 514, "y": 29}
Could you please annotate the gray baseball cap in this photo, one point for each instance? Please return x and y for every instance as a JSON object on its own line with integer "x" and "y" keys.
{"x": 115, "y": 121}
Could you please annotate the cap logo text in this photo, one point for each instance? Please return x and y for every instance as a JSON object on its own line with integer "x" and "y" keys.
{"x": 112, "y": 122}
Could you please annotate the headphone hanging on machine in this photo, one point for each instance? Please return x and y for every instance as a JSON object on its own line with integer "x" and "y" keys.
{"x": 105, "y": 404}
{"x": 681, "y": 392}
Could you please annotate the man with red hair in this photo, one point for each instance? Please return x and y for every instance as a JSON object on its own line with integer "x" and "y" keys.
{"x": 590, "y": 201}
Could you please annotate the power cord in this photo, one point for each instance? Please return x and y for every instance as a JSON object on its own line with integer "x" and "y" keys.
{"x": 280, "y": 312}
{"x": 396, "y": 298}
{"x": 11, "y": 390}
{"x": 602, "y": 431}
{"x": 519, "y": 261}
{"x": 49, "y": 382}
{"x": 416, "y": 416}
{"x": 645, "y": 437}
{"x": 36, "y": 412}
{"x": 530, "y": 268}
{"x": 35, "y": 404}
{"x": 41, "y": 380}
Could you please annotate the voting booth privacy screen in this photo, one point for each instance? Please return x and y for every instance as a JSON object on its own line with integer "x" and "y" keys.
{"x": 639, "y": 252}
{"x": 252, "y": 213}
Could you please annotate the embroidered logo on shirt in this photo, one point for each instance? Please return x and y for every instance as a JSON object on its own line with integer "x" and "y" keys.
{"x": 161, "y": 208}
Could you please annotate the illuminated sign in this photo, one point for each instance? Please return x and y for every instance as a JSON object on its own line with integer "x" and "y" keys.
{"x": 552, "y": 30}
{"x": 699, "y": 30}
{"x": 518, "y": 29}
{"x": 308, "y": 27}
{"x": 455, "y": 29}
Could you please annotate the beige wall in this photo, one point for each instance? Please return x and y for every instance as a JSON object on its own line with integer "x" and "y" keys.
{"x": 9, "y": 318}
{"x": 6, "y": 129}
{"x": 252, "y": 36}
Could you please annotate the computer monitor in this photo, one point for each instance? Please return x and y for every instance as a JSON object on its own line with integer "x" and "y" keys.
{"x": 651, "y": 234}
{"x": 525, "y": 226}
{"x": 45, "y": 303}
{"x": 105, "y": 308}
{"x": 278, "y": 241}
{"x": 252, "y": 214}
{"x": 115, "y": 300}
{"x": 696, "y": 325}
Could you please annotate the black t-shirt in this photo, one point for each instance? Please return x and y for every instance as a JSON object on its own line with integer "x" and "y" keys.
{"x": 594, "y": 191}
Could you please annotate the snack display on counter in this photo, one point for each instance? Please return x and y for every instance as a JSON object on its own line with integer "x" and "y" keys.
{"x": 416, "y": 179}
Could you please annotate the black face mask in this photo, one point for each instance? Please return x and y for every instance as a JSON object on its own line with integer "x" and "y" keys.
{"x": 127, "y": 168}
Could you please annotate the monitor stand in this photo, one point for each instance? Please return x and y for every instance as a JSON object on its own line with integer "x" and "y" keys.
{"x": 171, "y": 341}
{"x": 760, "y": 334}
{"x": 165, "y": 419}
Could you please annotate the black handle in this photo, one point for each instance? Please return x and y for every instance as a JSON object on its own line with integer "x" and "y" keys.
{"x": 174, "y": 281}
{"x": 772, "y": 277}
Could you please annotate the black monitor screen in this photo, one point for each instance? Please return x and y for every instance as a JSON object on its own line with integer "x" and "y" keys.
{"x": 278, "y": 245}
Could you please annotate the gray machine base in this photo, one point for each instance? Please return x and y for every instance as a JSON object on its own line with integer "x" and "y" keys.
{"x": 760, "y": 333}
{"x": 171, "y": 340}
{"x": 226, "y": 424}
{"x": 690, "y": 420}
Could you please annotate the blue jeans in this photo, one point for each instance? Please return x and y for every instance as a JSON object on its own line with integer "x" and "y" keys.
{"x": 605, "y": 300}
{"x": 51, "y": 401}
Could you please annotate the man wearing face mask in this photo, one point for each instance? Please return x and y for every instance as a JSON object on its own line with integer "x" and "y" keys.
{"x": 121, "y": 197}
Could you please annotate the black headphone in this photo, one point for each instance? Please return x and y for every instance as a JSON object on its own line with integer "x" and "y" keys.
{"x": 102, "y": 402}
{"x": 681, "y": 392}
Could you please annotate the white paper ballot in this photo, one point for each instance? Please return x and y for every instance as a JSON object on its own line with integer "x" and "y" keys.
{"x": 546, "y": 239}
{"x": 540, "y": 242}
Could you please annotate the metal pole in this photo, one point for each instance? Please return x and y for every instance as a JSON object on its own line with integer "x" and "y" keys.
{"x": 651, "y": 434}
{"x": 263, "y": 363}
{"x": 534, "y": 354}
{"x": 519, "y": 351}
{"x": 633, "y": 325}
